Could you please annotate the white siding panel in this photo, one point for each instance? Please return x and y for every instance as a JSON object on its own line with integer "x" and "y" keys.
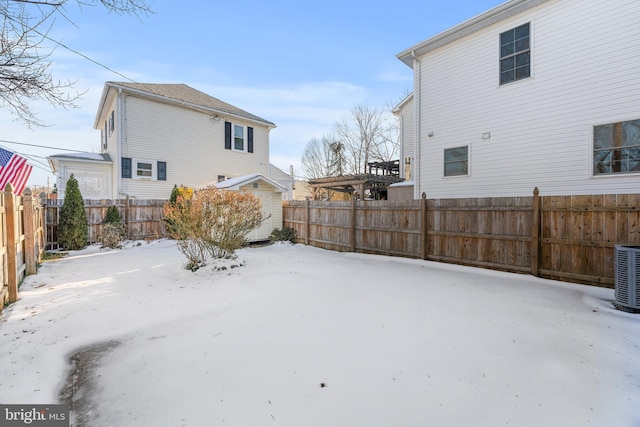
{"x": 191, "y": 143}
{"x": 94, "y": 180}
{"x": 271, "y": 207}
{"x": 585, "y": 72}
{"x": 112, "y": 146}
{"x": 407, "y": 136}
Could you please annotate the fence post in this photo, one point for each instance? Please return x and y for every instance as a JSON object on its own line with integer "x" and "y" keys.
{"x": 353, "y": 224}
{"x": 127, "y": 219}
{"x": 30, "y": 245}
{"x": 535, "y": 233}
{"x": 307, "y": 227}
{"x": 425, "y": 225}
{"x": 12, "y": 262}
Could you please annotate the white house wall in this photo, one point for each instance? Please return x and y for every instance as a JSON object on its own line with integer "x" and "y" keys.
{"x": 190, "y": 142}
{"x": 112, "y": 143}
{"x": 407, "y": 136}
{"x": 282, "y": 178}
{"x": 94, "y": 181}
{"x": 271, "y": 207}
{"x": 536, "y": 131}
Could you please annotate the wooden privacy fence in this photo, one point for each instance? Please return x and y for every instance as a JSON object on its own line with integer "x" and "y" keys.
{"x": 569, "y": 238}
{"x": 22, "y": 240}
{"x": 143, "y": 219}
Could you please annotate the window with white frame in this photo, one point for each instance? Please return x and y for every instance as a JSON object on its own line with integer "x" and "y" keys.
{"x": 112, "y": 122}
{"x": 515, "y": 54}
{"x": 456, "y": 161}
{"x": 238, "y": 138}
{"x": 144, "y": 169}
{"x": 104, "y": 137}
{"x": 616, "y": 148}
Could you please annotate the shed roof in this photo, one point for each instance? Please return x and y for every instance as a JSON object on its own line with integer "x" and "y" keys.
{"x": 239, "y": 181}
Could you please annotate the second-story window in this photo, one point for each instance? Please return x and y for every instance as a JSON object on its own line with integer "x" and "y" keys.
{"x": 238, "y": 138}
{"x": 515, "y": 54}
{"x": 112, "y": 122}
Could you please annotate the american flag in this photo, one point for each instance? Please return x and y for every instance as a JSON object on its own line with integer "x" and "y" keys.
{"x": 13, "y": 169}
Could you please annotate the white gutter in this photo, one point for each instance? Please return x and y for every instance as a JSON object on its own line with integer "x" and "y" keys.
{"x": 118, "y": 171}
{"x": 417, "y": 98}
{"x": 477, "y": 23}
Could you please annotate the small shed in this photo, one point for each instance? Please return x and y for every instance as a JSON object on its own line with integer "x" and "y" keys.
{"x": 400, "y": 191}
{"x": 270, "y": 194}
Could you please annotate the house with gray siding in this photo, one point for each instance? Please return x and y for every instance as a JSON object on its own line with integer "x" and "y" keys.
{"x": 531, "y": 93}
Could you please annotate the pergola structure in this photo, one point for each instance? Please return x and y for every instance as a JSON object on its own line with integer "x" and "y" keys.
{"x": 360, "y": 184}
{"x": 391, "y": 168}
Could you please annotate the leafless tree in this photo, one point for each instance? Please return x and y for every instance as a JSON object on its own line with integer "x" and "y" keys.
{"x": 387, "y": 146}
{"x": 323, "y": 158}
{"x": 25, "y": 51}
{"x": 368, "y": 134}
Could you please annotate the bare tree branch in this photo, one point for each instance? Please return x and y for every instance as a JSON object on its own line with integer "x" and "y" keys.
{"x": 368, "y": 134}
{"x": 25, "y": 75}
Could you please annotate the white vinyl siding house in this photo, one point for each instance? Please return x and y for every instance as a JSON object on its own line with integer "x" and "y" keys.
{"x": 161, "y": 135}
{"x": 537, "y": 130}
{"x": 406, "y": 115}
{"x": 157, "y": 136}
{"x": 191, "y": 144}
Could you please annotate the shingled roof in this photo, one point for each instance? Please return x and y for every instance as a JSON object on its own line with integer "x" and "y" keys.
{"x": 185, "y": 96}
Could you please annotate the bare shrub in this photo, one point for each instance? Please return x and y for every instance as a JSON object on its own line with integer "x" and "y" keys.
{"x": 112, "y": 231}
{"x": 212, "y": 223}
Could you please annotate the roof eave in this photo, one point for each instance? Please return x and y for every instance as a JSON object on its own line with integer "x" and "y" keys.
{"x": 466, "y": 28}
{"x": 402, "y": 103}
{"x": 186, "y": 104}
{"x": 101, "y": 104}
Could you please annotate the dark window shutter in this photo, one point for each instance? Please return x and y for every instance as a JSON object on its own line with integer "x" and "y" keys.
{"x": 162, "y": 171}
{"x": 250, "y": 139}
{"x": 227, "y": 135}
{"x": 126, "y": 167}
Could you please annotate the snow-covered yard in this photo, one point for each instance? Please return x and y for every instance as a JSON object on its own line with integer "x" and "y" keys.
{"x": 299, "y": 336}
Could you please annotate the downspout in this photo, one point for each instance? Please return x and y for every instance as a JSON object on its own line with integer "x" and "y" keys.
{"x": 402, "y": 156}
{"x": 120, "y": 141}
{"x": 417, "y": 193}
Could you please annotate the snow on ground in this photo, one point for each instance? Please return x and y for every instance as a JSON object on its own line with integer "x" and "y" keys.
{"x": 299, "y": 336}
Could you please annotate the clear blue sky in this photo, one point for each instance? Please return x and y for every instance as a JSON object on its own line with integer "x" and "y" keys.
{"x": 301, "y": 65}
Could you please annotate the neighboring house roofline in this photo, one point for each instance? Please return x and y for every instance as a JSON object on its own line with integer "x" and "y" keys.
{"x": 490, "y": 17}
{"x": 402, "y": 103}
{"x": 239, "y": 181}
{"x": 160, "y": 92}
{"x": 272, "y": 167}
